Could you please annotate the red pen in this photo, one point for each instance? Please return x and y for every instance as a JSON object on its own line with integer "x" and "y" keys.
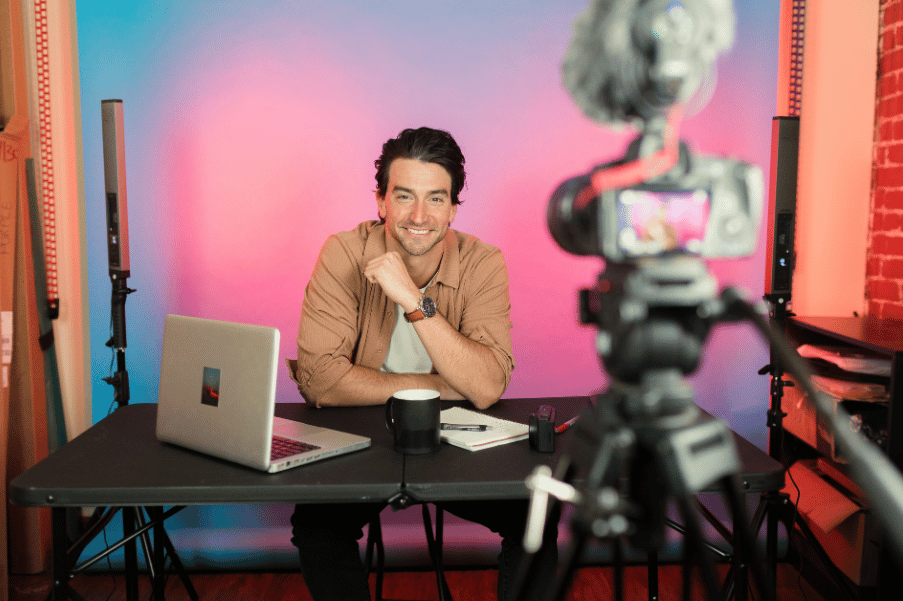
{"x": 562, "y": 427}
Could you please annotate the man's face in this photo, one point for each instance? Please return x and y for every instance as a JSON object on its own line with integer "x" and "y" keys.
{"x": 417, "y": 206}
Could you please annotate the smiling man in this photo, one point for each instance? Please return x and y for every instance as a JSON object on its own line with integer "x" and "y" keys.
{"x": 404, "y": 302}
{"x": 407, "y": 302}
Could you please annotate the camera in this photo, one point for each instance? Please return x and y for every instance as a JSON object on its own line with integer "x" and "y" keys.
{"x": 703, "y": 206}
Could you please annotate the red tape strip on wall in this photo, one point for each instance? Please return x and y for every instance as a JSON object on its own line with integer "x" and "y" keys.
{"x": 42, "y": 39}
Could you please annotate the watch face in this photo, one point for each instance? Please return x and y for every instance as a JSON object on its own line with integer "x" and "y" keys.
{"x": 427, "y": 306}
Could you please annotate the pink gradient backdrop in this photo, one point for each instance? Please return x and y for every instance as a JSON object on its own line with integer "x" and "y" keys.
{"x": 251, "y": 134}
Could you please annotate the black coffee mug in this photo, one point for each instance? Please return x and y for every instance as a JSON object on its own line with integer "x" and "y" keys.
{"x": 412, "y": 416}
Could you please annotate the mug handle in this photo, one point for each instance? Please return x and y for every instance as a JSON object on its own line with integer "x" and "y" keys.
{"x": 390, "y": 423}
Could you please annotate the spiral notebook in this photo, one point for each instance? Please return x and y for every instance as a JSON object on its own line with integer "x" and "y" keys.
{"x": 499, "y": 431}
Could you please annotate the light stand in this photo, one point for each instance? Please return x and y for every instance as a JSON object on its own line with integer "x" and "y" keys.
{"x": 776, "y": 507}
{"x": 120, "y": 378}
{"x": 134, "y": 523}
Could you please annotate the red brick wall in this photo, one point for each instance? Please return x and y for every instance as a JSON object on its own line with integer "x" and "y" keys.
{"x": 884, "y": 275}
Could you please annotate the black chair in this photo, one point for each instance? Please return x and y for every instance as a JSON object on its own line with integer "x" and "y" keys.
{"x": 376, "y": 551}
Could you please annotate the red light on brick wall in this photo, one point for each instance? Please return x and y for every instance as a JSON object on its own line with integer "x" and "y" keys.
{"x": 884, "y": 276}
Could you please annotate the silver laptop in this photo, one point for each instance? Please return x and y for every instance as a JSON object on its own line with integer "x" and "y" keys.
{"x": 218, "y": 395}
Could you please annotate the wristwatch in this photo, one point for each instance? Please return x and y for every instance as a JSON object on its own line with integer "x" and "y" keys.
{"x": 425, "y": 308}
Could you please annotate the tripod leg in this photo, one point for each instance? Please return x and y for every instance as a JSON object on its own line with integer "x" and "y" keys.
{"x": 178, "y": 566}
{"x": 695, "y": 548}
{"x": 687, "y": 577}
{"x": 152, "y": 566}
{"x": 100, "y": 519}
{"x": 60, "y": 575}
{"x": 570, "y": 557}
{"x": 652, "y": 569}
{"x": 740, "y": 579}
{"x": 745, "y": 549}
{"x": 772, "y": 502}
{"x": 159, "y": 580}
{"x": 156, "y": 559}
{"x": 542, "y": 524}
{"x": 131, "y": 556}
{"x": 526, "y": 579}
{"x": 156, "y": 554}
{"x": 434, "y": 544}
{"x": 374, "y": 549}
{"x": 795, "y": 520}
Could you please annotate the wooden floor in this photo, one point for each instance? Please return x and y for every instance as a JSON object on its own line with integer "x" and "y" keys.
{"x": 466, "y": 585}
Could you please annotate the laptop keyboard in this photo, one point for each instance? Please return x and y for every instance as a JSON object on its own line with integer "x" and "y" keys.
{"x": 283, "y": 447}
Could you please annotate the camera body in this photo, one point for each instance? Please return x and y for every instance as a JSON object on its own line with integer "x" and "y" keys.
{"x": 704, "y": 206}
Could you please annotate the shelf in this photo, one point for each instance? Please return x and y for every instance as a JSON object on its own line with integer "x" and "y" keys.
{"x": 864, "y": 335}
{"x": 882, "y": 335}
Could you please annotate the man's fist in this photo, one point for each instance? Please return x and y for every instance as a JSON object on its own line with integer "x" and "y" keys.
{"x": 390, "y": 272}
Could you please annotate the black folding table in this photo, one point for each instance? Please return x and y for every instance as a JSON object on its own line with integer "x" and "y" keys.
{"x": 119, "y": 462}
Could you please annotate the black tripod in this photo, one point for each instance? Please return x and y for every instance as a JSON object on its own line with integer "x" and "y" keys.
{"x": 645, "y": 443}
{"x": 137, "y": 522}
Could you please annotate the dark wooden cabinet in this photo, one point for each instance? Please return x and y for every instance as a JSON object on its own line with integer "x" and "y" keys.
{"x": 871, "y": 336}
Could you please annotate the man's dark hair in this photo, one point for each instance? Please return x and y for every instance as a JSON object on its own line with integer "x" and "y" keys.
{"x": 427, "y": 145}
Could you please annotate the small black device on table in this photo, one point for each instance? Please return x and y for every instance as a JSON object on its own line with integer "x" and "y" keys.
{"x": 542, "y": 429}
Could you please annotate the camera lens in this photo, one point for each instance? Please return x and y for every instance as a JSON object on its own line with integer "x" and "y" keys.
{"x": 573, "y": 229}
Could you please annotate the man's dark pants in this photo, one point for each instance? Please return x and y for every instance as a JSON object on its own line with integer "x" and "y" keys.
{"x": 327, "y": 539}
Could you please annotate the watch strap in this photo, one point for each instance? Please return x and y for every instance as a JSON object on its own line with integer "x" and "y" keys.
{"x": 415, "y": 315}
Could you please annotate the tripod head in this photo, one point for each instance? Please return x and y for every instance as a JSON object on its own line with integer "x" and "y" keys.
{"x": 653, "y": 317}
{"x": 651, "y": 314}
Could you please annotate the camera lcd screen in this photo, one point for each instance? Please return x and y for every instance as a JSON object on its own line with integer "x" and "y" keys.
{"x": 652, "y": 222}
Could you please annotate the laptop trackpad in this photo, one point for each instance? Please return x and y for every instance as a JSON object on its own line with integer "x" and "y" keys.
{"x": 322, "y": 437}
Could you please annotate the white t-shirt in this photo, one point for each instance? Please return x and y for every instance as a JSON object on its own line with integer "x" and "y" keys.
{"x": 406, "y": 354}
